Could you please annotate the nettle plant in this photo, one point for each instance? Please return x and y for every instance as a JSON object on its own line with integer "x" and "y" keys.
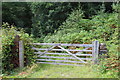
{"x": 8, "y": 35}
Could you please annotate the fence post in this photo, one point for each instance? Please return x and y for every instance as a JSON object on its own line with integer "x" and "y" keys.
{"x": 21, "y": 54}
{"x": 95, "y": 51}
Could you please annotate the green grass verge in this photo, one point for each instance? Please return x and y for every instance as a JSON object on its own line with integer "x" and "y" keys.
{"x": 59, "y": 71}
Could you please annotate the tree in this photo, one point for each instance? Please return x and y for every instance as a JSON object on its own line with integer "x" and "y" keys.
{"x": 47, "y": 17}
{"x": 18, "y": 14}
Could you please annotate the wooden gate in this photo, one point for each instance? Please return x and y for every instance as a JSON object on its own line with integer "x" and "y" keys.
{"x": 62, "y": 54}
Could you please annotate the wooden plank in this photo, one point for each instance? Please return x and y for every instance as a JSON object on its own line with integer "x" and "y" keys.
{"x": 104, "y": 50}
{"x": 95, "y": 51}
{"x": 64, "y": 54}
{"x": 59, "y": 60}
{"x": 61, "y": 44}
{"x": 64, "y": 57}
{"x": 47, "y": 50}
{"x": 21, "y": 54}
{"x": 63, "y": 50}
{"x": 83, "y": 54}
{"x": 58, "y": 63}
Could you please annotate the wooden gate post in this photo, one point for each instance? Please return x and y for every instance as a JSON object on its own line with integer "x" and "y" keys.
{"x": 95, "y": 51}
{"x": 21, "y": 54}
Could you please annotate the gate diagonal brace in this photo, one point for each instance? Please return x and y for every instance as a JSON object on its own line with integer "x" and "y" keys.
{"x": 47, "y": 50}
{"x": 72, "y": 54}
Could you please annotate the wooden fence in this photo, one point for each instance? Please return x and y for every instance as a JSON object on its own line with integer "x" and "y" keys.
{"x": 69, "y": 56}
{"x": 59, "y": 53}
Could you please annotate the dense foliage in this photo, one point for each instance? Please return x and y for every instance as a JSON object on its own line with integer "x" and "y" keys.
{"x": 47, "y": 17}
{"x": 8, "y": 36}
{"x": 102, "y": 27}
{"x": 62, "y": 23}
{"x": 17, "y": 14}
{"x": 40, "y": 18}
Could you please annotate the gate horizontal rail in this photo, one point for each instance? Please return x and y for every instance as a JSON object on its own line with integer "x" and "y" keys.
{"x": 61, "y": 44}
{"x": 63, "y": 57}
{"x": 59, "y": 60}
{"x": 63, "y": 50}
{"x": 64, "y": 54}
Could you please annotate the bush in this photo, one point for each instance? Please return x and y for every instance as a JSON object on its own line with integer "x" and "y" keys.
{"x": 110, "y": 66}
{"x": 8, "y": 36}
{"x": 102, "y": 27}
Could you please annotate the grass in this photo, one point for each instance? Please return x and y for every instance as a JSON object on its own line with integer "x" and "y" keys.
{"x": 58, "y": 71}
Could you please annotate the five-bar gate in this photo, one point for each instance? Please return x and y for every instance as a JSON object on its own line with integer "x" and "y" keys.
{"x": 66, "y": 54}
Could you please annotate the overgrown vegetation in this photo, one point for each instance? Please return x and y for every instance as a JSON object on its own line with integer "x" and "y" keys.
{"x": 66, "y": 23}
{"x": 18, "y": 14}
{"x": 41, "y": 18}
{"x": 60, "y": 71}
{"x": 9, "y": 53}
{"x": 102, "y": 27}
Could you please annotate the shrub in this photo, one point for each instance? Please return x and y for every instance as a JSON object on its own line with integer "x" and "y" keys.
{"x": 8, "y": 36}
